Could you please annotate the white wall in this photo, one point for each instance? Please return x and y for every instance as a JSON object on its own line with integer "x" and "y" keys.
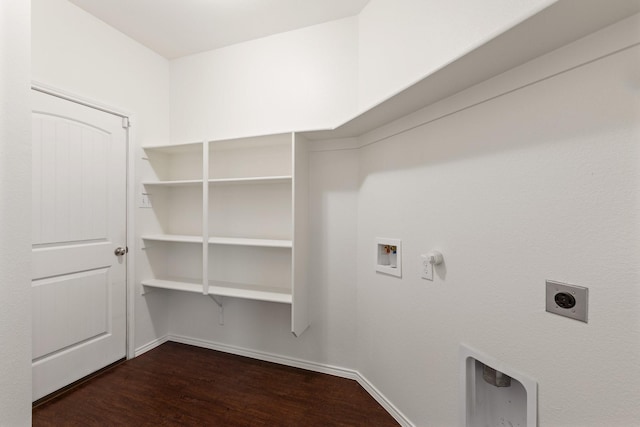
{"x": 302, "y": 79}
{"x": 478, "y": 185}
{"x": 320, "y": 76}
{"x": 15, "y": 233}
{"x": 75, "y": 52}
{"x": 540, "y": 183}
{"x": 400, "y": 42}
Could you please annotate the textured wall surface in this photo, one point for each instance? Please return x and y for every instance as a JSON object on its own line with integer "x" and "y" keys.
{"x": 298, "y": 80}
{"x": 15, "y": 223}
{"x": 540, "y": 183}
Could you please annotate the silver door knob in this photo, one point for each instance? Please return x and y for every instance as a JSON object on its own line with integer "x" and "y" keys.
{"x": 120, "y": 251}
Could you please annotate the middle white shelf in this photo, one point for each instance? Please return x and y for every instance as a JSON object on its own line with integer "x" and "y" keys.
{"x": 231, "y": 241}
{"x": 221, "y": 181}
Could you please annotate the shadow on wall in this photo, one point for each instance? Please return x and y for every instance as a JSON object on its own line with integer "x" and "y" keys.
{"x": 333, "y": 204}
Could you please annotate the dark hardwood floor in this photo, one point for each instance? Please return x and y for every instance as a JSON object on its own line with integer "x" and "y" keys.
{"x": 180, "y": 385}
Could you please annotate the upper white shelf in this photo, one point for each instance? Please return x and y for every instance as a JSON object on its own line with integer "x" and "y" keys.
{"x": 250, "y": 142}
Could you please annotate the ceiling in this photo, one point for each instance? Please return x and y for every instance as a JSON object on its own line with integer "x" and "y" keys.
{"x": 175, "y": 28}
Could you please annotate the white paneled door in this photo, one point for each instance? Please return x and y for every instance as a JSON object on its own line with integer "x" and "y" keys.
{"x": 79, "y": 241}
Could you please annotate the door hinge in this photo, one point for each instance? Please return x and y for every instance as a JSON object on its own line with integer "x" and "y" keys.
{"x": 126, "y": 123}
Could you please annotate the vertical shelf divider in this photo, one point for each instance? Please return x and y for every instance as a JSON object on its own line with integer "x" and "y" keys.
{"x": 300, "y": 238}
{"x": 205, "y": 217}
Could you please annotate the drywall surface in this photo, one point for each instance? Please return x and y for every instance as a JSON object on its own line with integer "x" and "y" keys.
{"x": 539, "y": 183}
{"x": 266, "y": 327}
{"x": 400, "y": 42}
{"x": 75, "y": 52}
{"x": 302, "y": 79}
{"x": 15, "y": 234}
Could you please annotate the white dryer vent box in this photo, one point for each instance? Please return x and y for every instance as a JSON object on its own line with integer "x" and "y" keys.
{"x": 494, "y": 394}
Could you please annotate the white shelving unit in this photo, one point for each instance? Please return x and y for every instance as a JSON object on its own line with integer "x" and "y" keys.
{"x": 234, "y": 217}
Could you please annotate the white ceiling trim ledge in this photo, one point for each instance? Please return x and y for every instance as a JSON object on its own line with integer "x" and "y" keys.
{"x": 556, "y": 26}
{"x": 599, "y": 45}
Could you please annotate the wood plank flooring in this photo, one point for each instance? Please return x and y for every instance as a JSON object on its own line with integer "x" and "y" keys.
{"x": 180, "y": 385}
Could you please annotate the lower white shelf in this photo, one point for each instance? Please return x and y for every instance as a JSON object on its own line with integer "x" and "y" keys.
{"x": 246, "y": 291}
{"x": 185, "y": 285}
{"x": 225, "y": 289}
{"x": 176, "y": 238}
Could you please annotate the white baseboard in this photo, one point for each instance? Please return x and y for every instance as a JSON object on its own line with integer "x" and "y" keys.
{"x": 268, "y": 357}
{"x": 384, "y": 402}
{"x": 286, "y": 361}
{"x": 150, "y": 346}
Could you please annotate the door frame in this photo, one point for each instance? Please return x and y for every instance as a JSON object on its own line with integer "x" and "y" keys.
{"x": 130, "y": 197}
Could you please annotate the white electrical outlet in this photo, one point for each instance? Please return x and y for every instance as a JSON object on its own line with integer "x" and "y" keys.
{"x": 567, "y": 300}
{"x": 426, "y": 267}
{"x": 145, "y": 201}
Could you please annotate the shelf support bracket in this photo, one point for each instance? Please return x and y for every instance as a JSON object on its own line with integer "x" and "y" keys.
{"x": 220, "y": 307}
